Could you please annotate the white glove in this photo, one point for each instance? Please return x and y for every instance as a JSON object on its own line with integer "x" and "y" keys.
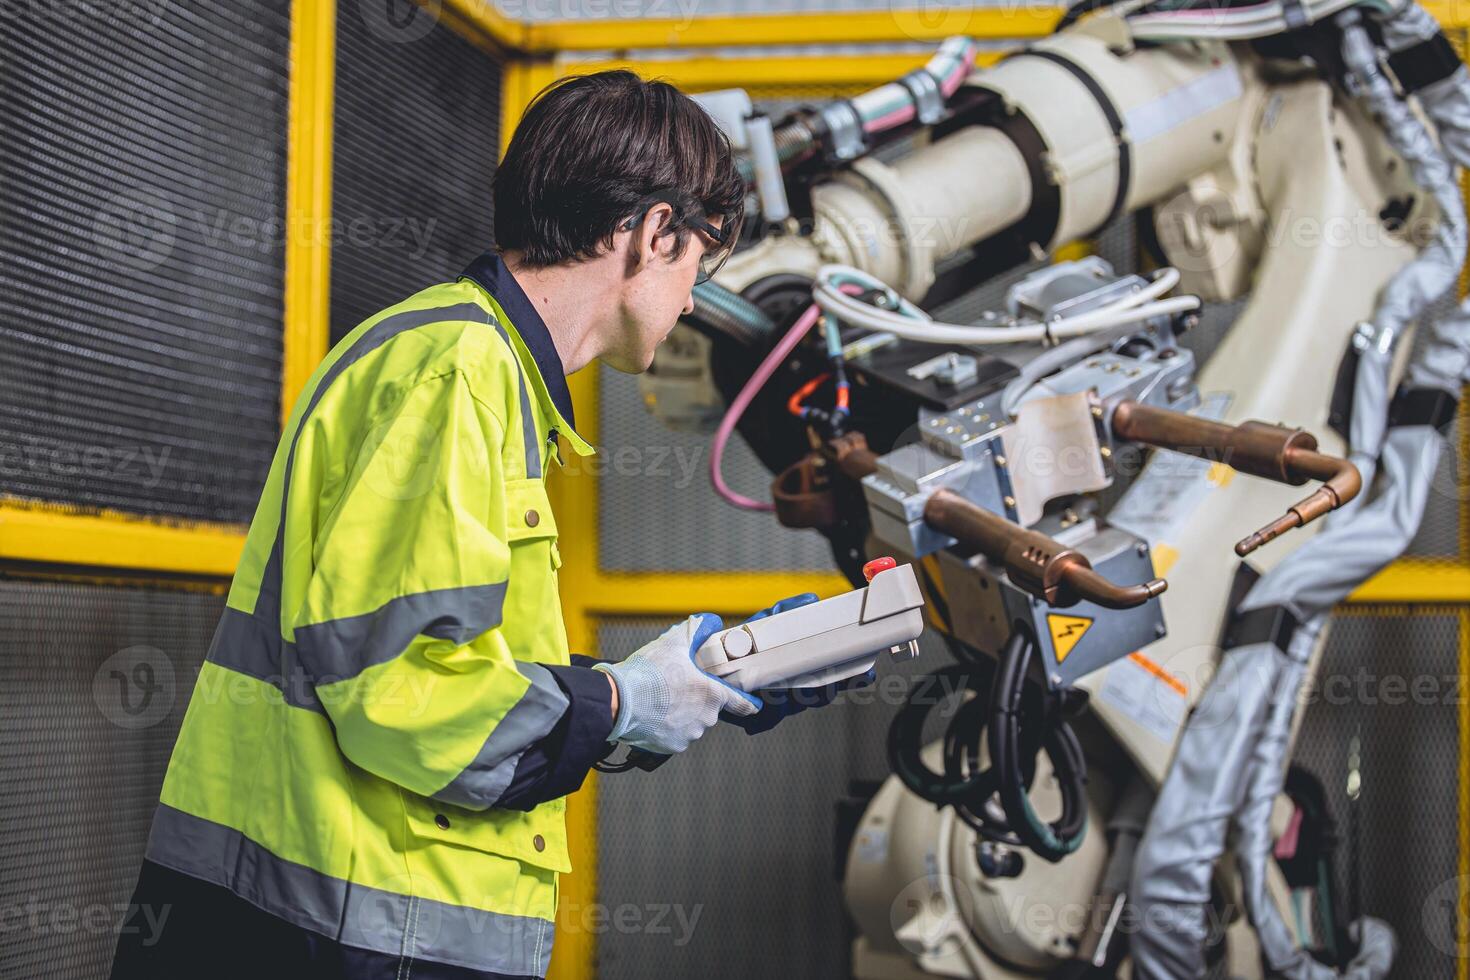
{"x": 664, "y": 700}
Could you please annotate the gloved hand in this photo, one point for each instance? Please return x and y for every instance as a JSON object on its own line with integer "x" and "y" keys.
{"x": 664, "y": 700}
{"x": 778, "y": 704}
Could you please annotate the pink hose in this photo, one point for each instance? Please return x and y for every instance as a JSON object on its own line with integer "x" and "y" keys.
{"x": 951, "y": 84}
{"x": 895, "y": 118}
{"x": 779, "y": 353}
{"x": 742, "y": 401}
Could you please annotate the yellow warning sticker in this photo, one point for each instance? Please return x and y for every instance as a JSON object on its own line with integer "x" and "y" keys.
{"x": 1065, "y": 632}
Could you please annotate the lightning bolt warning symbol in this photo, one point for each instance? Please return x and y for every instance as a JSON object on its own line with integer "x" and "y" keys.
{"x": 1066, "y": 631}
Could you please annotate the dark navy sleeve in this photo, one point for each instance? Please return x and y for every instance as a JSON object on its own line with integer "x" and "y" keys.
{"x": 557, "y": 764}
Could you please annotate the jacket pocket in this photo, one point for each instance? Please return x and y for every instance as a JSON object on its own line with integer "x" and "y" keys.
{"x": 537, "y": 838}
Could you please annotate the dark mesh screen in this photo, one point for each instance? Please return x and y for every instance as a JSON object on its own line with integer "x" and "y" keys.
{"x": 141, "y": 239}
{"x": 732, "y": 845}
{"x": 1393, "y": 681}
{"x": 416, "y": 142}
{"x": 93, "y": 685}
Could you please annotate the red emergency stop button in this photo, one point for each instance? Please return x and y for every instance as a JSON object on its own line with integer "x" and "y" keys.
{"x": 877, "y": 565}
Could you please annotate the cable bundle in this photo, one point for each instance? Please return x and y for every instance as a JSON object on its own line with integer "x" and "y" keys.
{"x": 1017, "y": 725}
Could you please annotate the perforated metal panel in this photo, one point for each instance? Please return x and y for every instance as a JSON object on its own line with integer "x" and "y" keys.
{"x": 416, "y": 142}
{"x": 1394, "y": 681}
{"x": 141, "y": 243}
{"x": 658, "y": 509}
{"x": 93, "y": 686}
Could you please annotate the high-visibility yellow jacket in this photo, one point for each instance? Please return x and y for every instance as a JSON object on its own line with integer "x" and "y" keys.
{"x": 378, "y": 743}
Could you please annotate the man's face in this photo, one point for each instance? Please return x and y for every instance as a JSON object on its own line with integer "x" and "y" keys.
{"x": 657, "y": 294}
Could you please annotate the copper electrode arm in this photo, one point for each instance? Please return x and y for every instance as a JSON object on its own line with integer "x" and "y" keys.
{"x": 1035, "y": 562}
{"x": 1272, "y": 452}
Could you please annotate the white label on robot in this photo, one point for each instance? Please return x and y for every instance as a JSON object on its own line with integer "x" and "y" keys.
{"x": 1153, "y": 701}
{"x": 1178, "y": 106}
{"x": 872, "y": 846}
{"x": 1159, "y": 504}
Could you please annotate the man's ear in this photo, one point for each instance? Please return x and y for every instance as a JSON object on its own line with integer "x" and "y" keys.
{"x": 644, "y": 244}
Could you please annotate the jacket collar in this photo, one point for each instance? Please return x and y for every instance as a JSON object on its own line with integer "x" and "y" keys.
{"x": 490, "y": 273}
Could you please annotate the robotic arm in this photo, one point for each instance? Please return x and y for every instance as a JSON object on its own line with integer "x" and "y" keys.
{"x": 1280, "y": 164}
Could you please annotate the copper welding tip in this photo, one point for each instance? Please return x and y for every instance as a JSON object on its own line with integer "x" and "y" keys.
{"x": 1268, "y": 533}
{"x": 1321, "y": 501}
{"x": 1087, "y": 584}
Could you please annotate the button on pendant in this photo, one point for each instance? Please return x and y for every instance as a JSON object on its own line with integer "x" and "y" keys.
{"x": 738, "y": 643}
{"x": 441, "y": 821}
{"x": 538, "y": 842}
{"x": 532, "y": 518}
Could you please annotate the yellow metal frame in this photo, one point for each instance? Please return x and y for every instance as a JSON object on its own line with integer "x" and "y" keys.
{"x": 688, "y": 53}
{"x": 754, "y": 30}
{"x": 38, "y": 532}
{"x": 308, "y": 195}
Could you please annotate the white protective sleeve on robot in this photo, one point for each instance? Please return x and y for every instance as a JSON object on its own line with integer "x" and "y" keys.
{"x": 1251, "y": 706}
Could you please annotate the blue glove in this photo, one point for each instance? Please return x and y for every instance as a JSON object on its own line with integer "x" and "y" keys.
{"x": 778, "y": 704}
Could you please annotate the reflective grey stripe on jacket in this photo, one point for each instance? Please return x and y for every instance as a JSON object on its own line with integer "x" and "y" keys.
{"x": 378, "y": 919}
{"x": 339, "y": 650}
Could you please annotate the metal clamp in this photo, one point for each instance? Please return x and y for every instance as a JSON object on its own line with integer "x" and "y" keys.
{"x": 928, "y": 99}
{"x": 845, "y": 130}
{"x": 1296, "y": 15}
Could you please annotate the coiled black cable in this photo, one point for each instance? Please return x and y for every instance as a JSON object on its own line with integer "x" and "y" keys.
{"x": 1017, "y": 726}
{"x": 1056, "y": 840}
{"x": 906, "y": 736}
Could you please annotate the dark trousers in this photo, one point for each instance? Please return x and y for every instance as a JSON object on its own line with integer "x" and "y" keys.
{"x": 181, "y": 928}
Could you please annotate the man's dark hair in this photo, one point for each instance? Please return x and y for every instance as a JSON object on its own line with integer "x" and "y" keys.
{"x": 595, "y": 150}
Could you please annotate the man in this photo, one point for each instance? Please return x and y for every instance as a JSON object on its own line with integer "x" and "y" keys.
{"x": 370, "y": 778}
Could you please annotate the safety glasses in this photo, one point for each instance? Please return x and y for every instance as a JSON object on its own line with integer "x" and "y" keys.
{"x": 716, "y": 251}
